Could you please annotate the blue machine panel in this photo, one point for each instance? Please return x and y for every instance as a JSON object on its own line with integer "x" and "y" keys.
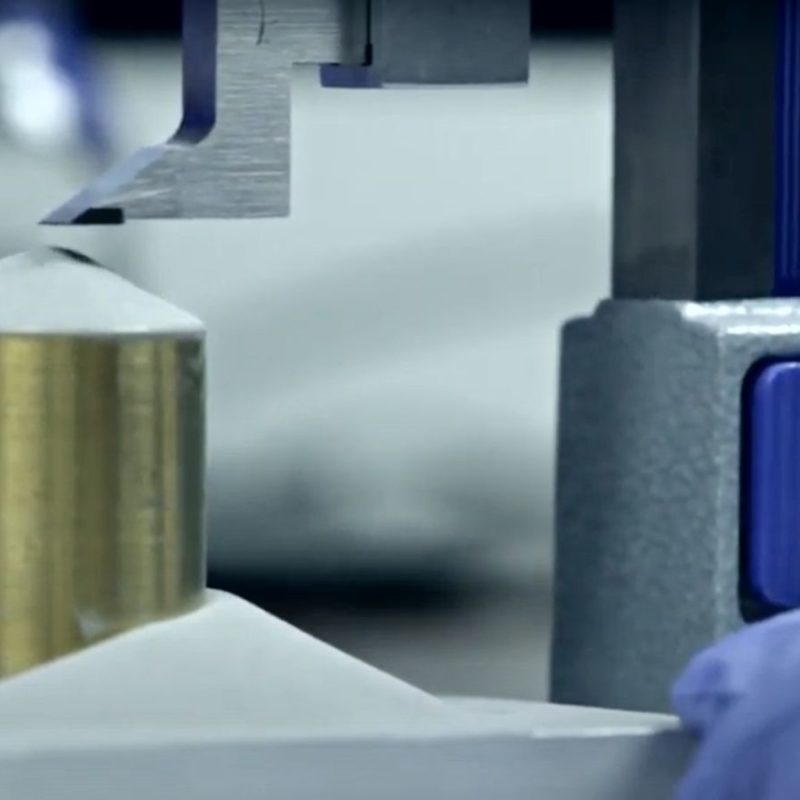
{"x": 787, "y": 151}
{"x": 772, "y": 484}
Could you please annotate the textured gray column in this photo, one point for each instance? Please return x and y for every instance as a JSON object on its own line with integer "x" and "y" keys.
{"x": 648, "y": 489}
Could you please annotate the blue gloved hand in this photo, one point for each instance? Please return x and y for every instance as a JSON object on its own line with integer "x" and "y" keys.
{"x": 49, "y": 91}
{"x": 742, "y": 697}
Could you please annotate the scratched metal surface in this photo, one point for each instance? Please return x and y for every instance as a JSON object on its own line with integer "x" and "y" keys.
{"x": 230, "y": 157}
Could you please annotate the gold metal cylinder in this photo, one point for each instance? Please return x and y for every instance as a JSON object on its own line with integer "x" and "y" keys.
{"x": 101, "y": 488}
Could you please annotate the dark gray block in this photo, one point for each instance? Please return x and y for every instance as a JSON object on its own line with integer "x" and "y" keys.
{"x": 648, "y": 489}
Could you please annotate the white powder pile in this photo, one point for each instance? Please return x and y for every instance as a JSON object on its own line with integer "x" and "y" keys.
{"x": 47, "y": 292}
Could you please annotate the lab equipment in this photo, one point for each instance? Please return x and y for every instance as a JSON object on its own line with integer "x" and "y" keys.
{"x": 101, "y": 458}
{"x": 650, "y": 471}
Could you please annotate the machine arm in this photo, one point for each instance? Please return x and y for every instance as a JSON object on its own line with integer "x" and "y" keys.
{"x": 230, "y": 157}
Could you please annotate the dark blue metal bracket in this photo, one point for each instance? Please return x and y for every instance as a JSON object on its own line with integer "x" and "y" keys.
{"x": 787, "y": 151}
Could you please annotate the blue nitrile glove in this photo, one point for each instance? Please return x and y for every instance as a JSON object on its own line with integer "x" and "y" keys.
{"x": 49, "y": 92}
{"x": 742, "y": 698}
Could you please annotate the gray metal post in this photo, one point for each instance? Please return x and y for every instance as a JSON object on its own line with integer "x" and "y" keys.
{"x": 648, "y": 508}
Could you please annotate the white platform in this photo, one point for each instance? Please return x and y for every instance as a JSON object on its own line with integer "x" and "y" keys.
{"x": 232, "y": 672}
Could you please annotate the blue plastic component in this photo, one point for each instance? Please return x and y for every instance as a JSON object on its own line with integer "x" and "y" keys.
{"x": 772, "y": 544}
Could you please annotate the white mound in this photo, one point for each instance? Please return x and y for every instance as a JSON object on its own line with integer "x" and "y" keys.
{"x": 231, "y": 672}
{"x": 226, "y": 671}
{"x": 55, "y": 292}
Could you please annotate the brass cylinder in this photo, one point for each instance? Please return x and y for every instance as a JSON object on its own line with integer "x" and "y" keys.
{"x": 101, "y": 488}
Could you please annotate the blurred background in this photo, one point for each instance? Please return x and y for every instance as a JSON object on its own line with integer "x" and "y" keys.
{"x": 383, "y": 364}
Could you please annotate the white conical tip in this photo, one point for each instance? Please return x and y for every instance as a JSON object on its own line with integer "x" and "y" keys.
{"x": 53, "y": 292}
